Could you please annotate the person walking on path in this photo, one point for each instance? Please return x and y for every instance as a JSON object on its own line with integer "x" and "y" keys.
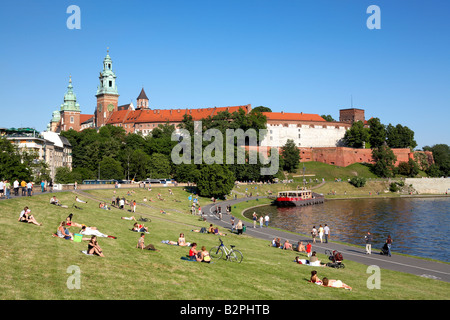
{"x": 254, "y": 219}
{"x": 389, "y": 243}
{"x": 267, "y": 219}
{"x": 326, "y": 231}
{"x": 368, "y": 239}
{"x": 314, "y": 234}
{"x": 261, "y": 221}
{"x": 321, "y": 233}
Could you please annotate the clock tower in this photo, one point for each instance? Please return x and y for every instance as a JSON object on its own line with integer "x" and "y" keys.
{"x": 107, "y": 94}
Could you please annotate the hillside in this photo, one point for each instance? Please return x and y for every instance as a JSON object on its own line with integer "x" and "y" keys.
{"x": 35, "y": 265}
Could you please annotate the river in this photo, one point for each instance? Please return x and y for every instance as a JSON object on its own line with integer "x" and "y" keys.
{"x": 418, "y": 226}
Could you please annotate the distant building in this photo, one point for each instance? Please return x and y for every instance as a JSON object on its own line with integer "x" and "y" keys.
{"x": 50, "y": 147}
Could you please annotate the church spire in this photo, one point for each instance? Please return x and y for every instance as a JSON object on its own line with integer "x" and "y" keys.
{"x": 107, "y": 77}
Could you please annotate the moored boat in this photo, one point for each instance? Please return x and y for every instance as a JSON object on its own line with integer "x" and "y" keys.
{"x": 301, "y": 197}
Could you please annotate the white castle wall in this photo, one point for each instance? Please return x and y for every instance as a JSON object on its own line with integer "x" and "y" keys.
{"x": 304, "y": 136}
{"x": 429, "y": 185}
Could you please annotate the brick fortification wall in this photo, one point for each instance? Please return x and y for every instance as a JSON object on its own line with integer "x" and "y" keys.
{"x": 343, "y": 156}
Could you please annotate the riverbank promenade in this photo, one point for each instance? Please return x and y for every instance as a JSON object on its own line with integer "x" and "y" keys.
{"x": 420, "y": 267}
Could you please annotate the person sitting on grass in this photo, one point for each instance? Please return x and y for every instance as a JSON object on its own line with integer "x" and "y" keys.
{"x": 55, "y": 201}
{"x": 63, "y": 232}
{"x": 194, "y": 254}
{"x": 335, "y": 283}
{"x": 314, "y": 261}
{"x": 141, "y": 245}
{"x": 180, "y": 242}
{"x": 94, "y": 248}
{"x": 217, "y": 232}
{"x": 205, "y": 255}
{"x": 287, "y": 245}
{"x": 27, "y": 217}
{"x": 300, "y": 247}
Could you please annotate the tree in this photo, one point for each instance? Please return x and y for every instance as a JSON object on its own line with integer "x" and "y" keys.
{"x": 159, "y": 166}
{"x": 377, "y": 133}
{"x": 400, "y": 137}
{"x": 409, "y": 169}
{"x": 356, "y": 136}
{"x": 384, "y": 160}
{"x": 63, "y": 175}
{"x": 328, "y": 118}
{"x": 358, "y": 182}
{"x": 441, "y": 156}
{"x": 215, "y": 180}
{"x": 11, "y": 164}
{"x": 110, "y": 168}
{"x": 291, "y": 156}
{"x": 261, "y": 109}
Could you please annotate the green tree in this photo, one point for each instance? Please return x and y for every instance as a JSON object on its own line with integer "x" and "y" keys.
{"x": 377, "y": 133}
{"x": 409, "y": 169}
{"x": 328, "y": 118}
{"x": 215, "y": 180}
{"x": 384, "y": 160}
{"x": 291, "y": 156}
{"x": 400, "y": 137}
{"x": 159, "y": 166}
{"x": 261, "y": 109}
{"x": 356, "y": 136}
{"x": 441, "y": 156}
{"x": 63, "y": 175}
{"x": 11, "y": 164}
{"x": 110, "y": 168}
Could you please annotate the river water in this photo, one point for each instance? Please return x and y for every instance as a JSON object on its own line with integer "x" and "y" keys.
{"x": 418, "y": 226}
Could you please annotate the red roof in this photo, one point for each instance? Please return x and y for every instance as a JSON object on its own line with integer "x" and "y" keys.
{"x": 164, "y": 115}
{"x": 292, "y": 116}
{"x": 85, "y": 117}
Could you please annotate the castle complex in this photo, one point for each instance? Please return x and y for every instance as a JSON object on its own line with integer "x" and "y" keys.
{"x": 318, "y": 139}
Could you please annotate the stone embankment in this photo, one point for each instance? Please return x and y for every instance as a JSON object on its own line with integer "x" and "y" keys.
{"x": 429, "y": 185}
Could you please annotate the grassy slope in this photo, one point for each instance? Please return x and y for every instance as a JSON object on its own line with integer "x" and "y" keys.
{"x": 34, "y": 264}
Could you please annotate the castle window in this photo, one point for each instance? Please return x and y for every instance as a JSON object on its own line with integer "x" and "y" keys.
{"x": 71, "y": 120}
{"x": 110, "y": 83}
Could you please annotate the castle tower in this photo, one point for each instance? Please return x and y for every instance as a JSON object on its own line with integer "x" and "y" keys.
{"x": 70, "y": 110}
{"x": 142, "y": 100}
{"x": 107, "y": 94}
{"x": 351, "y": 115}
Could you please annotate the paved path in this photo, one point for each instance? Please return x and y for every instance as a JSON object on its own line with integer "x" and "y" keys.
{"x": 420, "y": 267}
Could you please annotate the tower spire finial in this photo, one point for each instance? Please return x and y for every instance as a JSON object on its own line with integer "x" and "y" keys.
{"x": 107, "y": 50}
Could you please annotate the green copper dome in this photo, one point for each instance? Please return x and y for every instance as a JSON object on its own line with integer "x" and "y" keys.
{"x": 70, "y": 99}
{"x": 56, "y": 116}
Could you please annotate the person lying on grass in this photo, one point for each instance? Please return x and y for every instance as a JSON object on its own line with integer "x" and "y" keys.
{"x": 90, "y": 231}
{"x": 70, "y": 223}
{"x": 181, "y": 241}
{"x": 334, "y": 283}
{"x": 26, "y": 216}
{"x": 139, "y": 228}
{"x": 129, "y": 218}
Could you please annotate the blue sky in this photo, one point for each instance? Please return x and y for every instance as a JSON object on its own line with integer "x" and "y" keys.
{"x": 292, "y": 56}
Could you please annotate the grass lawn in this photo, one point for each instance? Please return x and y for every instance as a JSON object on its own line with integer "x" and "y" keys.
{"x": 35, "y": 265}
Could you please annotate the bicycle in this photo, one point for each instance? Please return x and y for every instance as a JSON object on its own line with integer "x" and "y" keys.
{"x": 230, "y": 254}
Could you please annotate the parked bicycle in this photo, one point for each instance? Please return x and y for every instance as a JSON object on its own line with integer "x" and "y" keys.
{"x": 230, "y": 254}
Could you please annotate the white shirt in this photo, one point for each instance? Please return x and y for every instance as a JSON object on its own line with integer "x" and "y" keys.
{"x": 16, "y": 184}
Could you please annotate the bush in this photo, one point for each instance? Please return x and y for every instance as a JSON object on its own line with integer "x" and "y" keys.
{"x": 358, "y": 182}
{"x": 393, "y": 187}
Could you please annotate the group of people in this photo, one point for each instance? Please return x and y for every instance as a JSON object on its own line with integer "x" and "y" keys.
{"x": 6, "y": 188}
{"x": 322, "y": 232}
{"x": 263, "y": 220}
